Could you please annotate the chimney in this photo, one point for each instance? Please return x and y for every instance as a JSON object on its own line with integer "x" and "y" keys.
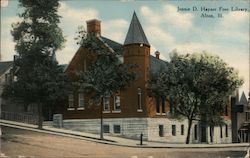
{"x": 157, "y": 54}
{"x": 94, "y": 26}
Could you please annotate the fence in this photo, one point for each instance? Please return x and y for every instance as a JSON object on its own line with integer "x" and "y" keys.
{"x": 19, "y": 117}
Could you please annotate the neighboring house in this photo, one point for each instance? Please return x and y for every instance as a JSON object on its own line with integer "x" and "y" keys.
{"x": 12, "y": 109}
{"x": 240, "y": 119}
{"x": 132, "y": 111}
{"x": 6, "y": 77}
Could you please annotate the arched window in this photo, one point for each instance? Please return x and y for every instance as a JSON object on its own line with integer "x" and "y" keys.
{"x": 106, "y": 103}
{"x": 80, "y": 101}
{"x": 139, "y": 94}
{"x": 117, "y": 103}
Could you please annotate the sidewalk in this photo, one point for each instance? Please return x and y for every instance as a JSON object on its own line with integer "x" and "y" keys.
{"x": 114, "y": 140}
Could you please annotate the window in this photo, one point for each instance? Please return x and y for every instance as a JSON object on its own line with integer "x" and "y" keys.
{"x": 174, "y": 130}
{"x": 163, "y": 98}
{"x": 157, "y": 105}
{"x": 117, "y": 103}
{"x": 105, "y": 128}
{"x": 226, "y": 131}
{"x": 182, "y": 129}
{"x": 161, "y": 130}
{"x": 80, "y": 101}
{"x": 226, "y": 109}
{"x": 117, "y": 129}
{"x": 71, "y": 102}
{"x": 106, "y": 103}
{"x": 139, "y": 93}
{"x": 247, "y": 116}
{"x": 85, "y": 65}
{"x": 170, "y": 105}
{"x": 195, "y": 132}
{"x": 221, "y": 134}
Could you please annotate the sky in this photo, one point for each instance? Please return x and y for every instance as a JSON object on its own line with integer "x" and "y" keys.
{"x": 166, "y": 27}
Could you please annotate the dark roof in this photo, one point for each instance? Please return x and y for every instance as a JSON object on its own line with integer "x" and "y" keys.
{"x": 157, "y": 65}
{"x": 243, "y": 99}
{"x": 117, "y": 47}
{"x": 135, "y": 33}
{"x": 4, "y": 66}
{"x": 63, "y": 66}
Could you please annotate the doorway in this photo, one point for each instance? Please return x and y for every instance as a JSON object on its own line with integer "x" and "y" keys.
{"x": 203, "y": 133}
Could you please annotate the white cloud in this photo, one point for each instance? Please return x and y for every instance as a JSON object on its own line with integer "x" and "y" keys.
{"x": 7, "y": 43}
{"x": 157, "y": 34}
{"x": 180, "y": 20}
{"x": 72, "y": 16}
{"x": 192, "y": 47}
{"x": 115, "y": 29}
{"x": 234, "y": 25}
{"x": 71, "y": 19}
{"x": 151, "y": 16}
{"x": 167, "y": 15}
{"x": 4, "y": 3}
{"x": 236, "y": 18}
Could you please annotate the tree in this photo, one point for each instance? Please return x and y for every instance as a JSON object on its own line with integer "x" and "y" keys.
{"x": 106, "y": 75}
{"x": 199, "y": 86}
{"x": 40, "y": 80}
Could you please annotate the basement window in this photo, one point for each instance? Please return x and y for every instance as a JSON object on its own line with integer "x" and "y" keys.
{"x": 182, "y": 129}
{"x": 195, "y": 132}
{"x": 161, "y": 130}
{"x": 117, "y": 129}
{"x": 173, "y": 130}
{"x": 226, "y": 130}
{"x": 106, "y": 128}
{"x": 221, "y": 134}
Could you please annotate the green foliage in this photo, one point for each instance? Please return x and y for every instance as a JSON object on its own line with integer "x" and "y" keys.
{"x": 106, "y": 75}
{"x": 203, "y": 82}
{"x": 199, "y": 85}
{"x": 40, "y": 79}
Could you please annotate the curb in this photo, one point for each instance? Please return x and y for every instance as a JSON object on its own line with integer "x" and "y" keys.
{"x": 112, "y": 142}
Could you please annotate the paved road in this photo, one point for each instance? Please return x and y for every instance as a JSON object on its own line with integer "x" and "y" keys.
{"x": 18, "y": 143}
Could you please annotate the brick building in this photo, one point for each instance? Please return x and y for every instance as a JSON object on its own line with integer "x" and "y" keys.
{"x": 240, "y": 119}
{"x": 131, "y": 111}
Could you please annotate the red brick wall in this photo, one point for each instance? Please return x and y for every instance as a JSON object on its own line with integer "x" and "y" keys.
{"x": 128, "y": 97}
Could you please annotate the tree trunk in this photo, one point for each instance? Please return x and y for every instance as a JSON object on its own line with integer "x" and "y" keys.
{"x": 101, "y": 128}
{"x": 190, "y": 121}
{"x": 40, "y": 116}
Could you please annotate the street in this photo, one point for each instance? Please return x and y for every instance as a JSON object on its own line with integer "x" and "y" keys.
{"x": 23, "y": 143}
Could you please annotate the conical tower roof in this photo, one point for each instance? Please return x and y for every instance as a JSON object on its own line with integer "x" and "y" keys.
{"x": 135, "y": 33}
{"x": 243, "y": 99}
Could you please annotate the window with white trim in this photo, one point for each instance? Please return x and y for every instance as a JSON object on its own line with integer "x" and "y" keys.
{"x": 106, "y": 103}
{"x": 117, "y": 103}
{"x": 80, "y": 101}
{"x": 139, "y": 94}
{"x": 70, "y": 101}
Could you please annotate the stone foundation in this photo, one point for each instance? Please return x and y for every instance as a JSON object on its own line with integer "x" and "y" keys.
{"x": 150, "y": 128}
